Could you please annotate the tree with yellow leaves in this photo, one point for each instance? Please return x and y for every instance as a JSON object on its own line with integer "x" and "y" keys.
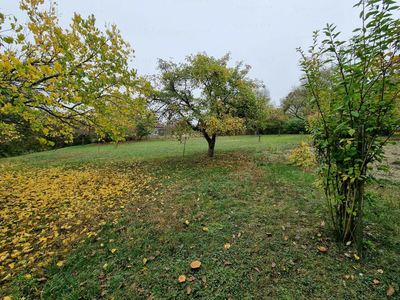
{"x": 59, "y": 79}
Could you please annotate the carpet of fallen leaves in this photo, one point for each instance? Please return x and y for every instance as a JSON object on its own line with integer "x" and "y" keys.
{"x": 45, "y": 211}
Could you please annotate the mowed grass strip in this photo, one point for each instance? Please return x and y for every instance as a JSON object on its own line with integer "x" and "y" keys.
{"x": 264, "y": 222}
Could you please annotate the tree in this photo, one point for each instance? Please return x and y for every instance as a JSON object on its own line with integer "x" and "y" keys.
{"x": 296, "y": 103}
{"x": 263, "y": 111}
{"x": 206, "y": 95}
{"x": 277, "y": 116}
{"x": 356, "y": 111}
{"x": 59, "y": 79}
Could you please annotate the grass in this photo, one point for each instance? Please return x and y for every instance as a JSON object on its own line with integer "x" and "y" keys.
{"x": 248, "y": 197}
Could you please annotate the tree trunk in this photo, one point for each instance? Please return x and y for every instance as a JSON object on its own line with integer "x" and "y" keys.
{"x": 211, "y": 143}
{"x": 360, "y": 195}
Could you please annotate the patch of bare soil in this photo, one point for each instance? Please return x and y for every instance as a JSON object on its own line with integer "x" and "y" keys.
{"x": 392, "y": 159}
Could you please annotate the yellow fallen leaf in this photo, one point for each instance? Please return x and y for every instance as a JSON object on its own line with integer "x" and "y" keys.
{"x": 7, "y": 298}
{"x": 205, "y": 229}
{"x": 195, "y": 264}
{"x": 105, "y": 266}
{"x": 144, "y": 260}
{"x": 322, "y": 249}
{"x": 187, "y": 222}
{"x": 182, "y": 278}
{"x": 113, "y": 250}
{"x": 28, "y": 276}
{"x": 227, "y": 246}
{"x": 355, "y": 255}
{"x": 8, "y": 276}
{"x": 60, "y": 263}
{"x": 376, "y": 281}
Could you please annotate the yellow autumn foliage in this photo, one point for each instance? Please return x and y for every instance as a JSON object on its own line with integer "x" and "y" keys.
{"x": 45, "y": 211}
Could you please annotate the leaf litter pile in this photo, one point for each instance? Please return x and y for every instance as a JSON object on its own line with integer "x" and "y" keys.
{"x": 44, "y": 212}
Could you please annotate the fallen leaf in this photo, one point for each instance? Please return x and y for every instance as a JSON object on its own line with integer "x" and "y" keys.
{"x": 390, "y": 291}
{"x": 227, "y": 262}
{"x": 166, "y": 269}
{"x": 195, "y": 264}
{"x": 7, "y": 298}
{"x": 352, "y": 277}
{"x": 104, "y": 292}
{"x": 323, "y": 223}
{"x": 346, "y": 277}
{"x": 82, "y": 283}
{"x": 105, "y": 266}
{"x": 322, "y": 249}
{"x": 347, "y": 255}
{"x": 380, "y": 271}
{"x": 355, "y": 255}
{"x": 273, "y": 265}
{"x": 144, "y": 260}
{"x": 285, "y": 238}
{"x": 60, "y": 263}
{"x": 239, "y": 234}
{"x": 214, "y": 259}
{"x": 376, "y": 281}
{"x": 269, "y": 233}
{"x": 227, "y": 246}
{"x": 188, "y": 290}
{"x": 113, "y": 250}
{"x": 205, "y": 229}
{"x": 41, "y": 279}
{"x": 257, "y": 269}
{"x": 348, "y": 243}
{"x": 101, "y": 275}
{"x": 283, "y": 228}
{"x": 94, "y": 252}
{"x": 191, "y": 278}
{"x": 187, "y": 222}
{"x": 182, "y": 278}
{"x": 28, "y": 276}
{"x": 204, "y": 279}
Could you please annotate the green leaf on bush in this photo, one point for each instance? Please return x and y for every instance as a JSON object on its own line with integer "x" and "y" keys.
{"x": 355, "y": 114}
{"x": 352, "y": 131}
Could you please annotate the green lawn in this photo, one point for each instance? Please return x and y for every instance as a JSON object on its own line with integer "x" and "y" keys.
{"x": 252, "y": 219}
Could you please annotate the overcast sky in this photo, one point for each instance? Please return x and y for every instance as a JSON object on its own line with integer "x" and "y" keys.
{"x": 262, "y": 33}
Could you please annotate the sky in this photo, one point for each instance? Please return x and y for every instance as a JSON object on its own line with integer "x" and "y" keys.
{"x": 262, "y": 33}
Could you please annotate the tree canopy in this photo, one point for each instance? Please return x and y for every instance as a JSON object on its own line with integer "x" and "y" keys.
{"x": 296, "y": 103}
{"x": 206, "y": 95}
{"x": 56, "y": 79}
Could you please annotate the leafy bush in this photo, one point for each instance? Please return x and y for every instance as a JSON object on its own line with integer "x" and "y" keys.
{"x": 302, "y": 156}
{"x": 294, "y": 126}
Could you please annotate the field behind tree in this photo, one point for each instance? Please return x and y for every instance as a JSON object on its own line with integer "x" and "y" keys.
{"x": 106, "y": 222}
